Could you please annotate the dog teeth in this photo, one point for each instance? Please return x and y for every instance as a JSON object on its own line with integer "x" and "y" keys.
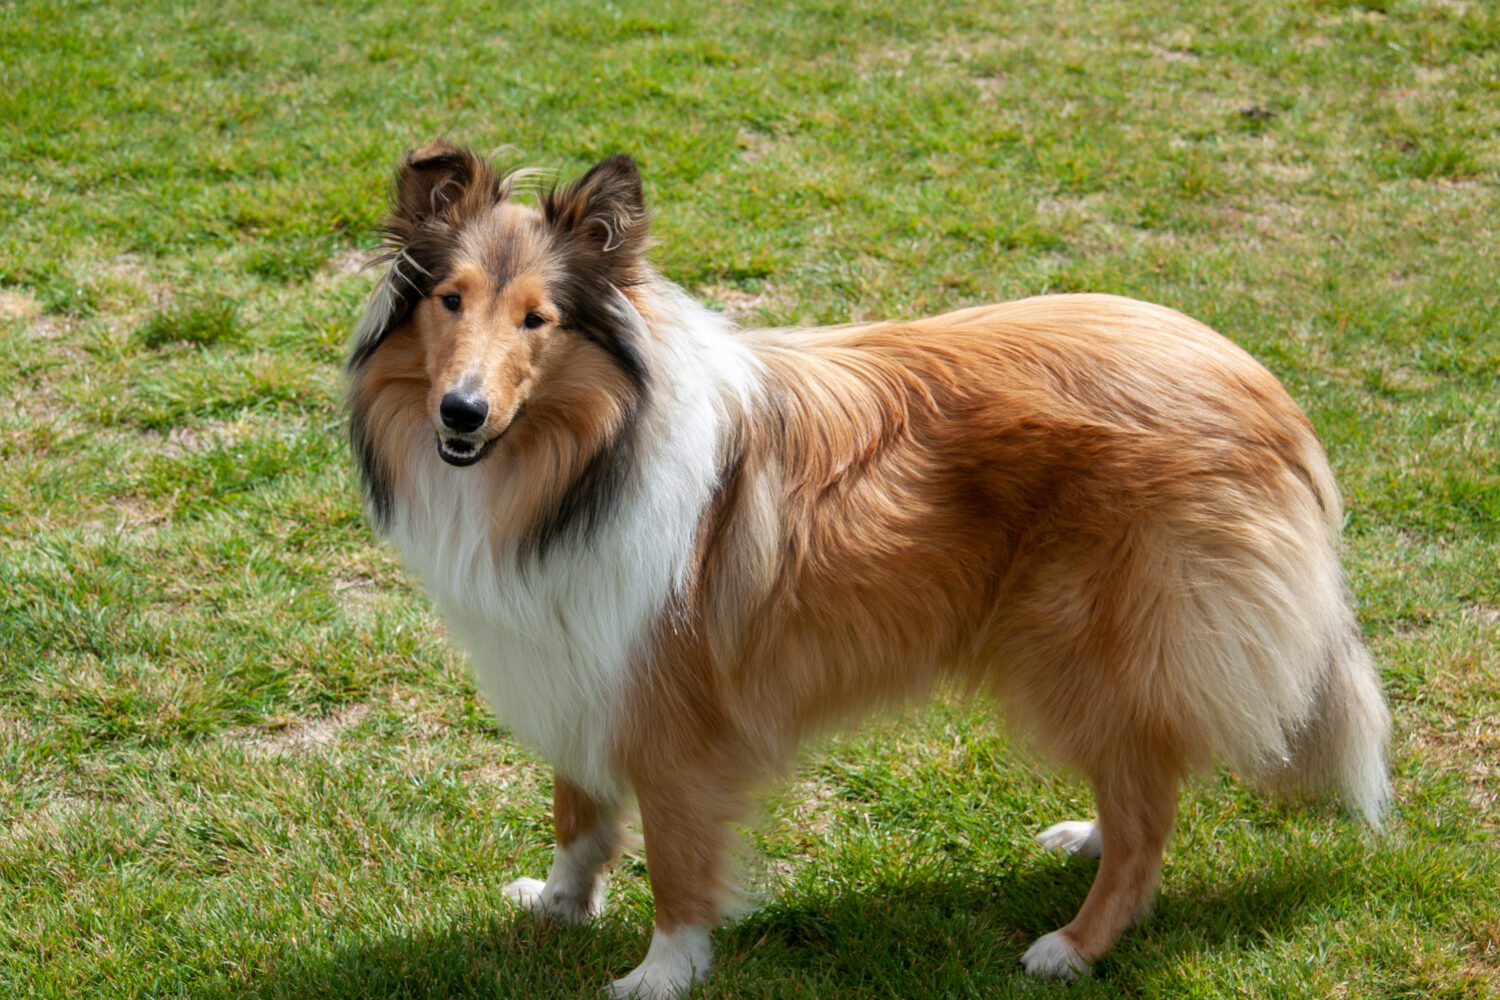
{"x": 461, "y": 451}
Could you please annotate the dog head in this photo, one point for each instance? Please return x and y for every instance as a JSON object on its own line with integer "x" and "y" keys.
{"x": 508, "y": 305}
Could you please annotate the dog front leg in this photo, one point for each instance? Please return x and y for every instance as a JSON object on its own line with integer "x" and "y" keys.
{"x": 685, "y": 819}
{"x": 588, "y": 835}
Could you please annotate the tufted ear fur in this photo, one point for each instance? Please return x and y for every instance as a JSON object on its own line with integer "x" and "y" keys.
{"x": 602, "y": 221}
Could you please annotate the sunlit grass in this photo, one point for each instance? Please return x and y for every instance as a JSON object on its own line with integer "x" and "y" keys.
{"x": 236, "y": 756}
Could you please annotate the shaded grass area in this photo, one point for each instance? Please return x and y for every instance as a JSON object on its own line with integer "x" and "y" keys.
{"x": 236, "y": 756}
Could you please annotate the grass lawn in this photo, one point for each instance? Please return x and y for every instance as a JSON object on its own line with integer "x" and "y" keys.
{"x": 236, "y": 757}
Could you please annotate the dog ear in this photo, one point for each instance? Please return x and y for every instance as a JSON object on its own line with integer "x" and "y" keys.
{"x": 440, "y": 181}
{"x": 603, "y": 220}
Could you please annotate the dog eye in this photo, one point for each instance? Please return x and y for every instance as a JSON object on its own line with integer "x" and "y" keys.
{"x": 534, "y": 320}
{"x": 452, "y": 302}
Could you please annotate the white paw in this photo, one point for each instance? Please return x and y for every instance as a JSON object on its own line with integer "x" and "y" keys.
{"x": 1081, "y": 838}
{"x": 675, "y": 960}
{"x": 1052, "y": 957}
{"x": 526, "y": 892}
{"x": 535, "y": 897}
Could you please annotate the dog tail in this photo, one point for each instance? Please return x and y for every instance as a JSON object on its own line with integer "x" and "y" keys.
{"x": 1345, "y": 743}
{"x": 1341, "y": 746}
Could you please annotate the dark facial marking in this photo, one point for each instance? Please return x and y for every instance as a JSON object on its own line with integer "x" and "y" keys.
{"x": 373, "y": 476}
{"x": 591, "y": 499}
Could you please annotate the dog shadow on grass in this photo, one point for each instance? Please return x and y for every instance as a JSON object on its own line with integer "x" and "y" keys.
{"x": 957, "y": 936}
{"x": 937, "y": 932}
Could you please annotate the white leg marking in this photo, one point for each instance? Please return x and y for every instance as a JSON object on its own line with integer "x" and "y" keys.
{"x": 574, "y": 891}
{"x": 1081, "y": 838}
{"x": 675, "y": 960}
{"x": 1052, "y": 957}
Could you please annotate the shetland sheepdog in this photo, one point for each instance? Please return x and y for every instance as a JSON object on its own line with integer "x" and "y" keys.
{"x": 673, "y": 548}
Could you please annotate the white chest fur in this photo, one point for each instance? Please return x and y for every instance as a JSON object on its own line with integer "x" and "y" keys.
{"x": 553, "y": 643}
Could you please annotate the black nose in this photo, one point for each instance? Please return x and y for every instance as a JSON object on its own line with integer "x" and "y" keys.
{"x": 462, "y": 412}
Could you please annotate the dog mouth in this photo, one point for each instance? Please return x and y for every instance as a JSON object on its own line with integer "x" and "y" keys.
{"x": 464, "y": 450}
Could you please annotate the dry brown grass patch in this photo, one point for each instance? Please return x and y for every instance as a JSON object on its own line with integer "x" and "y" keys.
{"x": 14, "y": 305}
{"x": 750, "y": 308}
{"x": 293, "y": 737}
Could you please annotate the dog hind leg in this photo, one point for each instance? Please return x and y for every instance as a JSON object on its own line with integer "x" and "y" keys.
{"x": 1137, "y": 807}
